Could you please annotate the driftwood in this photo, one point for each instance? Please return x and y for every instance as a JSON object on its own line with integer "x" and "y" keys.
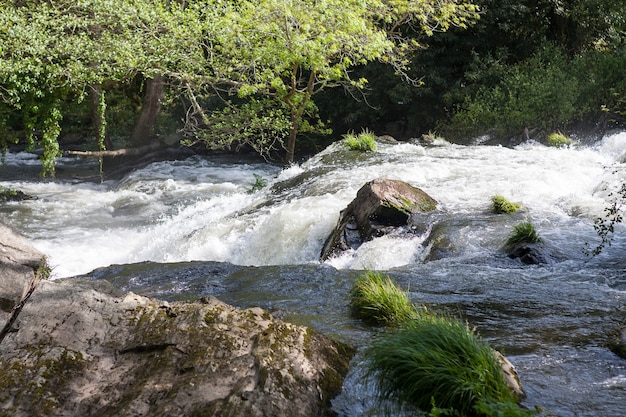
{"x": 117, "y": 163}
{"x": 119, "y": 152}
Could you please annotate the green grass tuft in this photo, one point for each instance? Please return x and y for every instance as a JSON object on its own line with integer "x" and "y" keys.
{"x": 501, "y": 205}
{"x": 438, "y": 363}
{"x": 376, "y": 299}
{"x": 558, "y": 139}
{"x": 364, "y": 141}
{"x": 523, "y": 233}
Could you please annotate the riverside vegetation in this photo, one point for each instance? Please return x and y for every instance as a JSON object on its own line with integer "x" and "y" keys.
{"x": 500, "y": 205}
{"x": 364, "y": 141}
{"x": 108, "y": 74}
{"x": 523, "y": 232}
{"x": 431, "y": 361}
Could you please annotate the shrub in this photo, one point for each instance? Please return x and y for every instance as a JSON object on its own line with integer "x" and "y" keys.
{"x": 259, "y": 184}
{"x": 438, "y": 363}
{"x": 502, "y": 205}
{"x": 541, "y": 91}
{"x": 557, "y": 139}
{"x": 364, "y": 141}
{"x": 375, "y": 298}
{"x": 523, "y": 233}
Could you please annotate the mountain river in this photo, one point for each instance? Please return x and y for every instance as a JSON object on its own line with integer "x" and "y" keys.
{"x": 185, "y": 229}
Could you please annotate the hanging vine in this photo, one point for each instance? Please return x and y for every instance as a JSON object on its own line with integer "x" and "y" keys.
{"x": 102, "y": 129}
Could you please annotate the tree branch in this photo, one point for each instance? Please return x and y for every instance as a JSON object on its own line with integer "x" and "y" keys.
{"x": 118, "y": 152}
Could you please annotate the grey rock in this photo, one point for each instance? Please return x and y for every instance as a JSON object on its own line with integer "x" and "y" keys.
{"x": 82, "y": 348}
{"x": 381, "y": 206}
{"x": 617, "y": 341}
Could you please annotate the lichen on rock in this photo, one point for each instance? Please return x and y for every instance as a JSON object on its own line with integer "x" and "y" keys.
{"x": 81, "y": 347}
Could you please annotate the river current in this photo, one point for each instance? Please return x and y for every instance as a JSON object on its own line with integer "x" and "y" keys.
{"x": 185, "y": 229}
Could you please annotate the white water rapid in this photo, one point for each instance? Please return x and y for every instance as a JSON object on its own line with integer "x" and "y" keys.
{"x": 550, "y": 320}
{"x": 200, "y": 209}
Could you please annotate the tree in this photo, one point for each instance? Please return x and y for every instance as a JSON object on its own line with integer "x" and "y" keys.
{"x": 52, "y": 52}
{"x": 283, "y": 53}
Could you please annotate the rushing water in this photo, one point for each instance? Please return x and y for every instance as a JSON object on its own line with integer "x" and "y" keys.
{"x": 262, "y": 248}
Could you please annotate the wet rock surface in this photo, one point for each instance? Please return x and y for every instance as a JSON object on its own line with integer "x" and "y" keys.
{"x": 617, "y": 341}
{"x": 381, "y": 206}
{"x": 81, "y": 347}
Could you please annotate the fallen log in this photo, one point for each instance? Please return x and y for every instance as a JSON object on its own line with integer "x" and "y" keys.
{"x": 118, "y": 152}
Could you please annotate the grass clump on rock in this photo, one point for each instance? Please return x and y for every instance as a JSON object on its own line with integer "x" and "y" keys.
{"x": 364, "y": 141}
{"x": 558, "y": 139}
{"x": 522, "y": 233}
{"x": 501, "y": 205}
{"x": 376, "y": 299}
{"x": 427, "y": 360}
{"x": 438, "y": 364}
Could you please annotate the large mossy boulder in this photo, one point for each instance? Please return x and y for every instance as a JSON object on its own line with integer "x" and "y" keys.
{"x": 82, "y": 348}
{"x": 380, "y": 207}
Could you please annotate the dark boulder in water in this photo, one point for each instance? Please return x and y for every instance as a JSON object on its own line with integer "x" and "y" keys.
{"x": 534, "y": 253}
{"x": 381, "y": 206}
{"x": 617, "y": 342}
{"x": 13, "y": 195}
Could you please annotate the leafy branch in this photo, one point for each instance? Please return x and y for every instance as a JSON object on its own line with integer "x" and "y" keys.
{"x": 605, "y": 226}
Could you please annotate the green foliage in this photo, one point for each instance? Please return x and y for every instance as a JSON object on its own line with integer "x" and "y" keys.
{"x": 7, "y": 192}
{"x": 375, "y": 298}
{"x": 558, "y": 139}
{"x": 290, "y": 53}
{"x": 523, "y": 232}
{"x": 546, "y": 91}
{"x": 539, "y": 92}
{"x": 55, "y": 51}
{"x": 257, "y": 124}
{"x": 364, "y": 141}
{"x": 501, "y": 205}
{"x": 441, "y": 366}
{"x": 605, "y": 226}
{"x": 259, "y": 183}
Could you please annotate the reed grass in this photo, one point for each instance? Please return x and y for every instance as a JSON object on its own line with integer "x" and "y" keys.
{"x": 558, "y": 139}
{"x": 364, "y": 141}
{"x": 376, "y": 299}
{"x": 523, "y": 232}
{"x": 439, "y": 365}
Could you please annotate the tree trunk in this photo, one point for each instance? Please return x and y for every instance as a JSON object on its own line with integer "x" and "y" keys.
{"x": 143, "y": 131}
{"x": 291, "y": 141}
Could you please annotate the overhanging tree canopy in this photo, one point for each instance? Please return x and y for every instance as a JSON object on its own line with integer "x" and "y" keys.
{"x": 55, "y": 51}
{"x": 287, "y": 51}
{"x": 273, "y": 55}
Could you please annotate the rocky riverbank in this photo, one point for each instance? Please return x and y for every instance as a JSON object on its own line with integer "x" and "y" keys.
{"x": 81, "y": 348}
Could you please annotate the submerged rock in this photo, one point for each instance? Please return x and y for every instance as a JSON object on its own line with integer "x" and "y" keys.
{"x": 82, "y": 348}
{"x": 380, "y": 207}
{"x": 534, "y": 253}
{"x": 13, "y": 195}
{"x": 617, "y": 342}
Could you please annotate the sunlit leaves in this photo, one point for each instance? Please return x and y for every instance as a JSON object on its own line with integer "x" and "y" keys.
{"x": 54, "y": 51}
{"x": 281, "y": 52}
{"x": 291, "y": 50}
